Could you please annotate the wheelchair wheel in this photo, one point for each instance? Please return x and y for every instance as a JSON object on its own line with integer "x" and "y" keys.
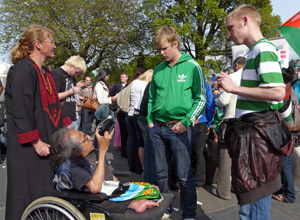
{"x": 52, "y": 208}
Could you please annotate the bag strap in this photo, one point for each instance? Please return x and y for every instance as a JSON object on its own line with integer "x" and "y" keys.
{"x": 286, "y": 105}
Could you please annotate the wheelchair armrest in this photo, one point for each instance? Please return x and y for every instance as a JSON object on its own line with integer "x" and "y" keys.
{"x": 81, "y": 195}
{"x": 122, "y": 173}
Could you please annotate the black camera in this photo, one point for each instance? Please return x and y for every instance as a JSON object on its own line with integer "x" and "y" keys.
{"x": 106, "y": 124}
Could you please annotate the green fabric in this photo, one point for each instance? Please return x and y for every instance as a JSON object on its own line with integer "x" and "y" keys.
{"x": 292, "y": 36}
{"x": 218, "y": 118}
{"x": 142, "y": 118}
{"x": 262, "y": 69}
{"x": 149, "y": 191}
{"x": 172, "y": 91}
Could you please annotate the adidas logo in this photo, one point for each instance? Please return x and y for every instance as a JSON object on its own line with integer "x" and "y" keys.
{"x": 181, "y": 78}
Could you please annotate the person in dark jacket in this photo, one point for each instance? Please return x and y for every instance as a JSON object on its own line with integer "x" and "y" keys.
{"x": 33, "y": 115}
{"x": 259, "y": 91}
{"x": 201, "y": 128}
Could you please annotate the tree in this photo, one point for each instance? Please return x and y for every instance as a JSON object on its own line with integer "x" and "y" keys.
{"x": 116, "y": 68}
{"x": 201, "y": 25}
{"x": 97, "y": 30}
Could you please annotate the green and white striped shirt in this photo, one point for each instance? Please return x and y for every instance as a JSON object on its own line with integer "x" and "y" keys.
{"x": 262, "y": 69}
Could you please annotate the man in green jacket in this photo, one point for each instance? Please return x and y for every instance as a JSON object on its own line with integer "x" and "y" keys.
{"x": 177, "y": 99}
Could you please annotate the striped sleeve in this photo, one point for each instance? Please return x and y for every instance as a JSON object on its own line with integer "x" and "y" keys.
{"x": 199, "y": 95}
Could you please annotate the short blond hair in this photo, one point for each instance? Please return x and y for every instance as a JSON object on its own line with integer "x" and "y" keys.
{"x": 146, "y": 76}
{"x": 246, "y": 10}
{"x": 77, "y": 62}
{"x": 168, "y": 34}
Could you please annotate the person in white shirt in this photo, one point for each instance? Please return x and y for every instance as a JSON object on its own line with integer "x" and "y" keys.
{"x": 100, "y": 89}
{"x": 136, "y": 148}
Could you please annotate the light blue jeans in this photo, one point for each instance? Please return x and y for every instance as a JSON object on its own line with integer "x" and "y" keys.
{"x": 259, "y": 210}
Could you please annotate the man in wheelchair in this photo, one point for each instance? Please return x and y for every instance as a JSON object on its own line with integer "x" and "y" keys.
{"x": 79, "y": 165}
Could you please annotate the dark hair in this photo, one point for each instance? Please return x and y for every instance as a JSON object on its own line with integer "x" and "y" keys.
{"x": 64, "y": 147}
{"x": 139, "y": 71}
{"x": 101, "y": 76}
{"x": 288, "y": 74}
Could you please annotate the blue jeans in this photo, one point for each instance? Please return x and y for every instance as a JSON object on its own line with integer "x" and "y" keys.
{"x": 149, "y": 167}
{"x": 259, "y": 210}
{"x": 3, "y": 139}
{"x": 165, "y": 144}
{"x": 86, "y": 121}
{"x": 288, "y": 188}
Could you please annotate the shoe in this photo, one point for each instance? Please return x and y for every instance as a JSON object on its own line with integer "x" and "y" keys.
{"x": 166, "y": 215}
{"x": 214, "y": 191}
{"x": 278, "y": 197}
{"x": 188, "y": 219}
{"x": 1, "y": 161}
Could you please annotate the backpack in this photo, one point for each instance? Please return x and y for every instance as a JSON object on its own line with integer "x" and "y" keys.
{"x": 294, "y": 124}
{"x": 123, "y": 98}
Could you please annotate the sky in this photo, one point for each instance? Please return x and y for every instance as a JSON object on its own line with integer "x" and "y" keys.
{"x": 284, "y": 8}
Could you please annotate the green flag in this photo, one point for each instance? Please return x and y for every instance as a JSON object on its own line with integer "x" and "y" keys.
{"x": 291, "y": 32}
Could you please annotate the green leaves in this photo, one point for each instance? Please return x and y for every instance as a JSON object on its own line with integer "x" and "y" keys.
{"x": 111, "y": 34}
{"x": 201, "y": 26}
{"x": 97, "y": 30}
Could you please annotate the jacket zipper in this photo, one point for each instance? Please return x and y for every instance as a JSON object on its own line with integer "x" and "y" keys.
{"x": 247, "y": 169}
{"x": 164, "y": 109}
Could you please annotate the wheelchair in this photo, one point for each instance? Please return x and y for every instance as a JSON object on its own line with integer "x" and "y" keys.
{"x": 83, "y": 206}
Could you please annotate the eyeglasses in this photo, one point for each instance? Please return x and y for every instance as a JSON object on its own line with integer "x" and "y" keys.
{"x": 86, "y": 138}
{"x": 52, "y": 42}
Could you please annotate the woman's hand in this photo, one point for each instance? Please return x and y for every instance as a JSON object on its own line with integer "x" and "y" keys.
{"x": 41, "y": 148}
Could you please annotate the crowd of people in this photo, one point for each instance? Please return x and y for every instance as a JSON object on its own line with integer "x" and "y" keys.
{"x": 172, "y": 116}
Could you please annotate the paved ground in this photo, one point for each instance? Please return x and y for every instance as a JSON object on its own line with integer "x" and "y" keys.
{"x": 212, "y": 207}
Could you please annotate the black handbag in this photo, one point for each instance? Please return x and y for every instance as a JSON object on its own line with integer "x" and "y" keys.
{"x": 222, "y": 130}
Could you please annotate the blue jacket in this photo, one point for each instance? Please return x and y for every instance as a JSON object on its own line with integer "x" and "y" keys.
{"x": 63, "y": 178}
{"x": 208, "y": 115}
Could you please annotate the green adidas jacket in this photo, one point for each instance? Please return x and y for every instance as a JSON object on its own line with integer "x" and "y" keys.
{"x": 178, "y": 92}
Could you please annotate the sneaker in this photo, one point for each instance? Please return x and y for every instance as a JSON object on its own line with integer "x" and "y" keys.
{"x": 214, "y": 191}
{"x": 188, "y": 219}
{"x": 166, "y": 215}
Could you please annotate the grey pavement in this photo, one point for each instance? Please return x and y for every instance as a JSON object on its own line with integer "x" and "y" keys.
{"x": 212, "y": 207}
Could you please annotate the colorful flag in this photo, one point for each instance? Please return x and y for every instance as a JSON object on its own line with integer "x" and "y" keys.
{"x": 291, "y": 32}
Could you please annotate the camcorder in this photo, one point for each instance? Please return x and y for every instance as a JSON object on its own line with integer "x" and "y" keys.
{"x": 106, "y": 124}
